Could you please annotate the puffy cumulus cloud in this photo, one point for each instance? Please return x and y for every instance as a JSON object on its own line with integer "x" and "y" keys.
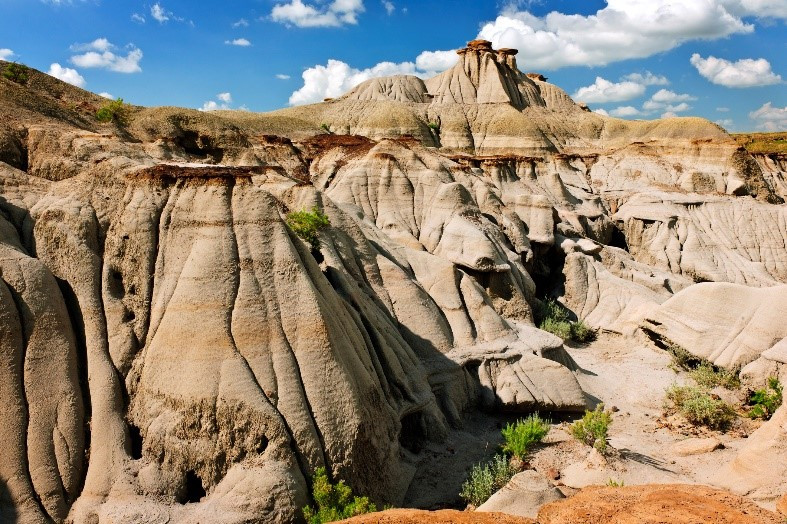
{"x": 669, "y": 102}
{"x": 602, "y": 91}
{"x": 647, "y": 79}
{"x": 436, "y": 60}
{"x": 623, "y": 29}
{"x": 336, "y": 77}
{"x": 769, "y": 118}
{"x": 100, "y": 55}
{"x": 223, "y": 101}
{"x": 106, "y": 95}
{"x": 726, "y": 123}
{"x": 389, "y": 7}
{"x": 5, "y": 53}
{"x": 66, "y": 74}
{"x": 335, "y": 14}
{"x": 758, "y": 8}
{"x": 601, "y": 112}
{"x": 241, "y": 23}
{"x": 625, "y": 111}
{"x": 240, "y": 42}
{"x": 747, "y": 72}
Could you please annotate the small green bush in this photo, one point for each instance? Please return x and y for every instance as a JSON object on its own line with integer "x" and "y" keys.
{"x": 114, "y": 111}
{"x": 612, "y": 483}
{"x": 709, "y": 376}
{"x": 16, "y": 73}
{"x": 434, "y": 126}
{"x": 554, "y": 319}
{"x": 485, "y": 479}
{"x": 766, "y": 401}
{"x": 306, "y": 224}
{"x": 334, "y": 501}
{"x": 700, "y": 407}
{"x": 593, "y": 428}
{"x": 682, "y": 359}
{"x": 521, "y": 435}
{"x": 325, "y": 127}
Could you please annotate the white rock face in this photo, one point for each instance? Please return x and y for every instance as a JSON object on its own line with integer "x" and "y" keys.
{"x": 523, "y": 495}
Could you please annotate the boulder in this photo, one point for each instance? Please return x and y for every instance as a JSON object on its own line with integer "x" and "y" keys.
{"x": 697, "y": 446}
{"x": 523, "y": 495}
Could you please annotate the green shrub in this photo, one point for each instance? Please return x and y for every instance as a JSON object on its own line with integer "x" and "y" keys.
{"x": 709, "y": 376}
{"x": 334, "y": 501}
{"x": 16, "y": 73}
{"x": 325, "y": 127}
{"x": 306, "y": 224}
{"x": 700, "y": 408}
{"x": 434, "y": 126}
{"x": 682, "y": 359}
{"x": 554, "y": 319}
{"x": 593, "y": 428}
{"x": 580, "y": 332}
{"x": 521, "y": 435}
{"x": 612, "y": 483}
{"x": 485, "y": 479}
{"x": 114, "y": 111}
{"x": 766, "y": 401}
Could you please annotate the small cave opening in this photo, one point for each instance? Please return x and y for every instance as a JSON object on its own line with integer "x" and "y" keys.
{"x": 194, "y": 489}
{"x": 135, "y": 436}
{"x": 263, "y": 445}
{"x": 412, "y": 436}
{"x": 199, "y": 145}
{"x": 618, "y": 239}
{"x": 115, "y": 284}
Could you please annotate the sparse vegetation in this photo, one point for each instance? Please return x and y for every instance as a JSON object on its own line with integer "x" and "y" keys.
{"x": 555, "y": 319}
{"x": 115, "y": 111}
{"x": 334, "y": 501}
{"x": 612, "y": 483}
{"x": 700, "y": 407}
{"x": 434, "y": 126}
{"x": 306, "y": 224}
{"x": 709, "y": 376}
{"x": 593, "y": 428}
{"x": 682, "y": 359}
{"x": 16, "y": 73}
{"x": 325, "y": 127}
{"x": 520, "y": 436}
{"x": 485, "y": 479}
{"x": 763, "y": 142}
{"x": 766, "y": 401}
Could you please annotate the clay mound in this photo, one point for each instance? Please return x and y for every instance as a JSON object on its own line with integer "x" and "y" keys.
{"x": 447, "y": 516}
{"x": 403, "y": 88}
{"x": 655, "y": 504}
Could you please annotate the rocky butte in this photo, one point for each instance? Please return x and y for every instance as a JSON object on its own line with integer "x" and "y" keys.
{"x": 171, "y": 351}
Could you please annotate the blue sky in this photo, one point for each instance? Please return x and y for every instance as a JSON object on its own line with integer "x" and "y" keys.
{"x": 725, "y": 60}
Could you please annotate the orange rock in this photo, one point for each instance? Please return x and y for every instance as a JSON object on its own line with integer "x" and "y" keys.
{"x": 655, "y": 504}
{"x": 781, "y": 505}
{"x": 415, "y": 516}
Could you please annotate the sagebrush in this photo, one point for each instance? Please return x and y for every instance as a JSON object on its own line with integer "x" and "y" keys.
{"x": 709, "y": 376}
{"x": 485, "y": 479}
{"x": 306, "y": 224}
{"x": 520, "y": 436}
{"x": 16, "y": 73}
{"x": 555, "y": 319}
{"x": 593, "y": 428}
{"x": 334, "y": 501}
{"x": 700, "y": 407}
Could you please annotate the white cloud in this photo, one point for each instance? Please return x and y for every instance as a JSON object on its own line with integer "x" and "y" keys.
{"x": 758, "y": 8}
{"x": 99, "y": 55}
{"x": 601, "y": 112}
{"x": 241, "y": 42}
{"x": 223, "y": 101}
{"x": 136, "y": 17}
{"x": 669, "y": 114}
{"x": 99, "y": 44}
{"x": 436, "y": 60}
{"x": 726, "y": 123}
{"x": 722, "y": 109}
{"x": 335, "y": 14}
{"x": 283, "y": 77}
{"x": 625, "y": 111}
{"x": 106, "y": 95}
{"x": 6, "y": 53}
{"x": 769, "y": 118}
{"x": 241, "y": 23}
{"x": 66, "y": 74}
{"x": 336, "y": 77}
{"x": 747, "y": 72}
{"x": 389, "y": 7}
{"x": 623, "y": 29}
{"x": 648, "y": 79}
{"x": 602, "y": 91}
{"x": 668, "y": 101}
{"x": 159, "y": 13}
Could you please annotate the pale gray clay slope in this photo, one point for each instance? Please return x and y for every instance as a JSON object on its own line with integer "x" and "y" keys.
{"x": 172, "y": 351}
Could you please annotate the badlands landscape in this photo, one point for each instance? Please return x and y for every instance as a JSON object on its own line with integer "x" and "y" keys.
{"x": 203, "y": 312}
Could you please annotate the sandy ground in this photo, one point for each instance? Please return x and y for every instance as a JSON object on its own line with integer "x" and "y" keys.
{"x": 630, "y": 376}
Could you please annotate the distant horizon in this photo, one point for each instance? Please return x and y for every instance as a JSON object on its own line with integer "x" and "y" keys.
{"x": 723, "y": 60}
